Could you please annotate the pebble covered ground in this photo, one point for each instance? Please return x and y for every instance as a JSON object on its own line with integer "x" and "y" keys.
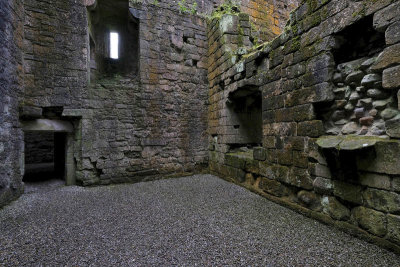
{"x": 192, "y": 221}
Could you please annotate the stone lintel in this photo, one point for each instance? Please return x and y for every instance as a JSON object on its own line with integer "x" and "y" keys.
{"x": 45, "y": 125}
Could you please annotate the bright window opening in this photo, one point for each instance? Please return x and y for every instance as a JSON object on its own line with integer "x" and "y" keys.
{"x": 114, "y": 44}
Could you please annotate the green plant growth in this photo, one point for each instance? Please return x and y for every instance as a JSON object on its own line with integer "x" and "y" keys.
{"x": 228, "y": 7}
{"x": 135, "y": 2}
{"x": 193, "y": 10}
{"x": 182, "y": 6}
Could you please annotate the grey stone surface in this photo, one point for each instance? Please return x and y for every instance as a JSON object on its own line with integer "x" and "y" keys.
{"x": 370, "y": 79}
{"x": 391, "y": 77}
{"x": 199, "y": 220}
{"x": 393, "y": 127}
{"x": 393, "y": 33}
{"x": 375, "y": 180}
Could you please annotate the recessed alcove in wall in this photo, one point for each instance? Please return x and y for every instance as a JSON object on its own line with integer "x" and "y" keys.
{"x": 361, "y": 105}
{"x": 44, "y": 156}
{"x": 48, "y": 150}
{"x": 109, "y": 21}
{"x": 244, "y": 118}
{"x": 358, "y": 40}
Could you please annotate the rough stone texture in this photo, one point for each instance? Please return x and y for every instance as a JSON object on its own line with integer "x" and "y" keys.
{"x": 393, "y": 227}
{"x": 385, "y": 160}
{"x": 335, "y": 209}
{"x": 382, "y": 200}
{"x": 326, "y": 74}
{"x": 389, "y": 57}
{"x": 386, "y": 16}
{"x": 134, "y": 128}
{"x": 268, "y": 17}
{"x": 365, "y": 107}
{"x": 11, "y": 73}
{"x": 185, "y": 221}
{"x": 375, "y": 181}
{"x": 370, "y": 220}
{"x": 391, "y": 78}
{"x": 348, "y": 192}
{"x": 323, "y": 186}
{"x": 128, "y": 127}
{"x": 393, "y": 33}
{"x": 333, "y": 70}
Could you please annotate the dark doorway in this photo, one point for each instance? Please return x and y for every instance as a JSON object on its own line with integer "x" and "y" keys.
{"x": 45, "y": 156}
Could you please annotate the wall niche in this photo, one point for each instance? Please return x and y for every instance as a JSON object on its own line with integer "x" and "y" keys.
{"x": 362, "y": 106}
{"x": 244, "y": 118}
{"x": 114, "y": 39}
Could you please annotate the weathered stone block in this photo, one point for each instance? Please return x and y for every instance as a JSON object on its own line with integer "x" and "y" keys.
{"x": 259, "y": 153}
{"x": 252, "y": 166}
{"x": 300, "y": 178}
{"x": 235, "y": 161}
{"x": 348, "y": 192}
{"x": 391, "y": 77}
{"x": 317, "y": 77}
{"x": 385, "y": 159}
{"x": 320, "y": 170}
{"x": 229, "y": 24}
{"x": 310, "y": 199}
{"x": 392, "y": 34}
{"x": 310, "y": 128}
{"x": 321, "y": 61}
{"x": 269, "y": 141}
{"x": 370, "y": 79}
{"x": 393, "y": 127}
{"x": 273, "y": 187}
{"x": 284, "y": 157}
{"x": 355, "y": 76}
{"x": 31, "y": 112}
{"x": 370, "y": 220}
{"x": 382, "y": 200}
{"x": 393, "y": 228}
{"x": 295, "y": 142}
{"x": 300, "y": 159}
{"x": 281, "y": 129}
{"x": 249, "y": 178}
{"x": 386, "y": 16}
{"x": 375, "y": 180}
{"x": 335, "y": 209}
{"x": 396, "y": 184}
{"x": 323, "y": 185}
{"x": 389, "y": 57}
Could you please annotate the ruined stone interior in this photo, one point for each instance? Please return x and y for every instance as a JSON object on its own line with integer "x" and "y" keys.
{"x": 297, "y": 101}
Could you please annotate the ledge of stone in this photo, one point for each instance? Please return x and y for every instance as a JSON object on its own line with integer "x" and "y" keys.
{"x": 30, "y": 112}
{"x": 45, "y": 125}
{"x": 242, "y": 154}
{"x": 349, "y": 142}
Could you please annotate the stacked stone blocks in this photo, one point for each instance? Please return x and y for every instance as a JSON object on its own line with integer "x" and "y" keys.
{"x": 352, "y": 182}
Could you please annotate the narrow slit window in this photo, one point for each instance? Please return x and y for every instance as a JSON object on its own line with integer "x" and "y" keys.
{"x": 114, "y": 44}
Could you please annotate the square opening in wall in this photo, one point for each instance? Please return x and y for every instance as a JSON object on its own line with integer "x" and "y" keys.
{"x": 245, "y": 118}
{"x": 44, "y": 156}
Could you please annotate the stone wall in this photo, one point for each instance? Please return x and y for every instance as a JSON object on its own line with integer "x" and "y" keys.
{"x": 11, "y": 145}
{"x": 39, "y": 147}
{"x": 308, "y": 77}
{"x": 127, "y": 127}
{"x": 268, "y": 17}
{"x": 139, "y": 126}
{"x": 55, "y": 52}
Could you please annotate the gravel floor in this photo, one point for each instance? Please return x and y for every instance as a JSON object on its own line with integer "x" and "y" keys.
{"x": 199, "y": 220}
